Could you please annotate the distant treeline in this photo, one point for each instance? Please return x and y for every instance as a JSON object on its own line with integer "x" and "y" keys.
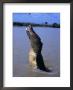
{"x": 54, "y": 25}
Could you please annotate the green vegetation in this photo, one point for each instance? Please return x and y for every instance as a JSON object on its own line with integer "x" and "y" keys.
{"x": 54, "y": 25}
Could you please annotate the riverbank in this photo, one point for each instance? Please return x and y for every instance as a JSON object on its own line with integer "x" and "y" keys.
{"x": 54, "y": 25}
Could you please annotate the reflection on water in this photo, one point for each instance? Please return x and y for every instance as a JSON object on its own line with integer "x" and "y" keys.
{"x": 50, "y": 51}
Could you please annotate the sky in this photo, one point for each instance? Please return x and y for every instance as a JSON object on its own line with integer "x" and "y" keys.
{"x": 39, "y": 18}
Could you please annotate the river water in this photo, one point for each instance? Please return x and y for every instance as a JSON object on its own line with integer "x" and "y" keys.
{"x": 50, "y": 51}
